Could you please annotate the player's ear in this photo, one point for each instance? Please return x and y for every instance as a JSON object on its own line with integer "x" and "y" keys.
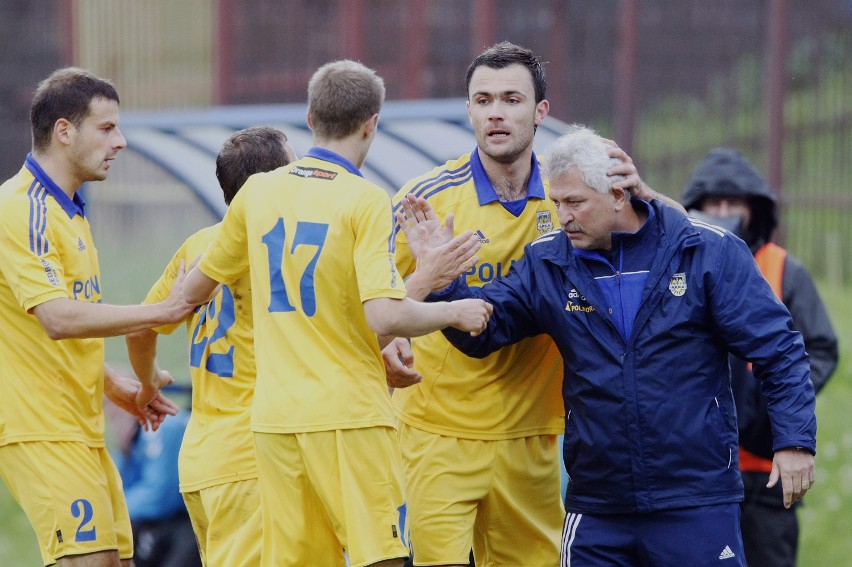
{"x": 541, "y": 110}
{"x": 371, "y": 125}
{"x": 61, "y": 131}
{"x": 620, "y": 197}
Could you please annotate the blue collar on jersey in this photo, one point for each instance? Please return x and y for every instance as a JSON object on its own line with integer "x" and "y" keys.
{"x": 72, "y": 207}
{"x": 335, "y": 158}
{"x": 485, "y": 190}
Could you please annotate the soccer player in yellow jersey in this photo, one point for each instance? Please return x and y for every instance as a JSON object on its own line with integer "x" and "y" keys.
{"x": 317, "y": 237}
{"x": 218, "y": 474}
{"x": 52, "y": 454}
{"x": 479, "y": 437}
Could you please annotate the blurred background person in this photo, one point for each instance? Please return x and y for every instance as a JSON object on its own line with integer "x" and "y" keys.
{"x": 147, "y": 463}
{"x": 727, "y": 190}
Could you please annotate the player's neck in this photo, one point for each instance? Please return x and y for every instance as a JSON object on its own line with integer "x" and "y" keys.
{"x": 58, "y": 170}
{"x": 509, "y": 179}
{"x": 630, "y": 219}
{"x": 354, "y": 150}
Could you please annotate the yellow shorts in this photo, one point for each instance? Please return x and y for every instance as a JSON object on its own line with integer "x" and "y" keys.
{"x": 72, "y": 495}
{"x": 328, "y": 491}
{"x": 501, "y": 498}
{"x": 227, "y": 523}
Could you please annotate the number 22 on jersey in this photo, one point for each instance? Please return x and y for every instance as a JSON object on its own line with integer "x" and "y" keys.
{"x": 221, "y": 318}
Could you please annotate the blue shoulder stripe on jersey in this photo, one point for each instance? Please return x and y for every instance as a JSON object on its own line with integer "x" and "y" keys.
{"x": 42, "y": 224}
{"x": 391, "y": 238}
{"x": 435, "y": 191}
{"x": 444, "y": 180}
{"x": 33, "y": 213}
{"x": 37, "y": 195}
{"x": 455, "y": 183}
{"x": 445, "y": 175}
{"x": 71, "y": 206}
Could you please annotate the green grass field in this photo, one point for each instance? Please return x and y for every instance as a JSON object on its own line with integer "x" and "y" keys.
{"x": 827, "y": 515}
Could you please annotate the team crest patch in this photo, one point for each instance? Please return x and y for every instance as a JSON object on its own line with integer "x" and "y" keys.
{"x": 678, "y": 284}
{"x": 543, "y": 222}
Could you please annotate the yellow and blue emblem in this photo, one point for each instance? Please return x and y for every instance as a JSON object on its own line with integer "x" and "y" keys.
{"x": 544, "y": 222}
{"x": 678, "y": 284}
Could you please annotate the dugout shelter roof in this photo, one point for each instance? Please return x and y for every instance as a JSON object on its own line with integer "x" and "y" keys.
{"x": 413, "y": 137}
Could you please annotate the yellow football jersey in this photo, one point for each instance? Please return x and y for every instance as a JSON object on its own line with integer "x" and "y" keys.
{"x": 318, "y": 238}
{"x": 517, "y": 391}
{"x": 50, "y": 390}
{"x": 217, "y": 446}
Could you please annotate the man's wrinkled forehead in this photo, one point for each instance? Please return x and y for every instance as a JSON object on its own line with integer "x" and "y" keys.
{"x": 505, "y": 81}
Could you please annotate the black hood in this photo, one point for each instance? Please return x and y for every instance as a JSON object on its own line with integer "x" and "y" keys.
{"x": 725, "y": 172}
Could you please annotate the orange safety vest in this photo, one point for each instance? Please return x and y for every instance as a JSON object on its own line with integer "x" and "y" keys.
{"x": 770, "y": 259}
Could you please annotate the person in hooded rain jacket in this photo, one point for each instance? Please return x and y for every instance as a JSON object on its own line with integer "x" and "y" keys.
{"x": 727, "y": 190}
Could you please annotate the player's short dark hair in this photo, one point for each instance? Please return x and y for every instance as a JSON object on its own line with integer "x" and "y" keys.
{"x": 246, "y": 152}
{"x": 66, "y": 93}
{"x": 504, "y": 54}
{"x": 342, "y": 95}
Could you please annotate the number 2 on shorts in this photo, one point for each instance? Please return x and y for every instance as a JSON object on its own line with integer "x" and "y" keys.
{"x": 82, "y": 507}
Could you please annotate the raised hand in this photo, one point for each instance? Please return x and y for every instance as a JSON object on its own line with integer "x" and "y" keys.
{"x": 417, "y": 212}
{"x": 440, "y": 257}
{"x": 438, "y": 267}
{"x": 631, "y": 180}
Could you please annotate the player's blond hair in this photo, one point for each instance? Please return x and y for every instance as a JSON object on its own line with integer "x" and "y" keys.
{"x": 342, "y": 96}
